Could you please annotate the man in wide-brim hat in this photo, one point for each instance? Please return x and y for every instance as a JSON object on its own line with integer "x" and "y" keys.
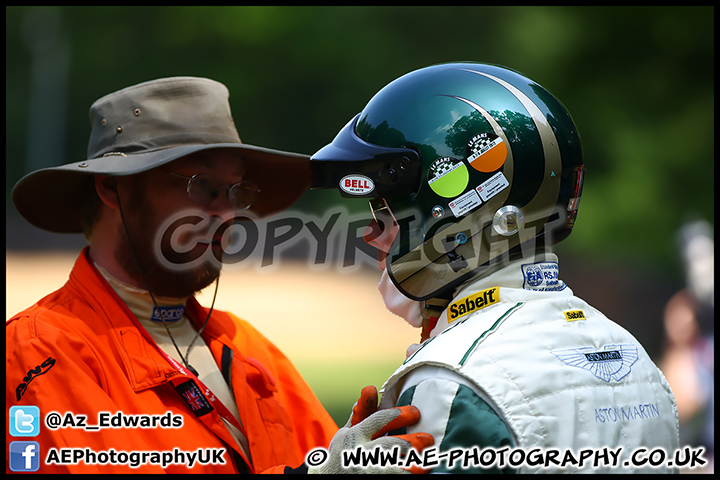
{"x": 125, "y": 335}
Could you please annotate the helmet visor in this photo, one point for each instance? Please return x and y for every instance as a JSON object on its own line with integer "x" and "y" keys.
{"x": 359, "y": 169}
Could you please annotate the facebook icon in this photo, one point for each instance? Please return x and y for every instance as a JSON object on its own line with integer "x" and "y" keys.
{"x": 24, "y": 456}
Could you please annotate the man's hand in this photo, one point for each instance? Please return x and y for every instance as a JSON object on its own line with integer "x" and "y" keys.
{"x": 367, "y": 427}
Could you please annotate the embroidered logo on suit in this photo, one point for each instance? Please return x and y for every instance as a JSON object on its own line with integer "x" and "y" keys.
{"x": 613, "y": 362}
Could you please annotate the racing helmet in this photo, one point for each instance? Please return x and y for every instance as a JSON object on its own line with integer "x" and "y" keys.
{"x": 476, "y": 164}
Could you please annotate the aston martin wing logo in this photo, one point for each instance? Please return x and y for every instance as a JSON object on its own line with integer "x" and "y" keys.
{"x": 613, "y": 362}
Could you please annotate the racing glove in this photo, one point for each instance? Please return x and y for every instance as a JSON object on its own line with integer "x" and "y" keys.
{"x": 367, "y": 427}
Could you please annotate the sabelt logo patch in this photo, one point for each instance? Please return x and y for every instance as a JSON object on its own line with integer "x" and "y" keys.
{"x": 473, "y": 303}
{"x": 572, "y": 315}
{"x": 357, "y": 184}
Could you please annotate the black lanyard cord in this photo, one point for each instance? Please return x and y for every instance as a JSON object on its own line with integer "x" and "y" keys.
{"x": 186, "y": 358}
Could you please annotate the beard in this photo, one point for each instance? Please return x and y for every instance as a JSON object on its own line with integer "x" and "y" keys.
{"x": 175, "y": 275}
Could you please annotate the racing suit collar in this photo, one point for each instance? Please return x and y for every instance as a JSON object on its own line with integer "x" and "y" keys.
{"x": 516, "y": 274}
{"x": 537, "y": 275}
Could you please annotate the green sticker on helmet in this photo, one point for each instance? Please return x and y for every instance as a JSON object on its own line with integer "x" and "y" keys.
{"x": 448, "y": 177}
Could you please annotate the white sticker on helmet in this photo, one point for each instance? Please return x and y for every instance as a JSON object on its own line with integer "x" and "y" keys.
{"x": 465, "y": 203}
{"x": 492, "y": 186}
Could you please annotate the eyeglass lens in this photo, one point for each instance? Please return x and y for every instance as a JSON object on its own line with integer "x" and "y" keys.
{"x": 203, "y": 189}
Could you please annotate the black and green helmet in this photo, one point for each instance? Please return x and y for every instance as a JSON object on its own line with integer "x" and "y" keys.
{"x": 477, "y": 164}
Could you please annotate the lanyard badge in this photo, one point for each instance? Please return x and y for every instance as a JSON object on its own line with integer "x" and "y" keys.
{"x": 202, "y": 402}
{"x": 194, "y": 398}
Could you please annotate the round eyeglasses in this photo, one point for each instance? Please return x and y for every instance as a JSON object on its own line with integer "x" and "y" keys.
{"x": 204, "y": 188}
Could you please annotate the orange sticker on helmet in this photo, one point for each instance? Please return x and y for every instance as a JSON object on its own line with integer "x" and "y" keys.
{"x": 486, "y": 152}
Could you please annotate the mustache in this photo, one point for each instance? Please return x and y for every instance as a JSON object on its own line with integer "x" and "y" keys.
{"x": 190, "y": 232}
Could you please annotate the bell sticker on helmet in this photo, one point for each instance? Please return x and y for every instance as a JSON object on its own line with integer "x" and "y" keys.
{"x": 448, "y": 177}
{"x": 486, "y": 152}
{"x": 357, "y": 184}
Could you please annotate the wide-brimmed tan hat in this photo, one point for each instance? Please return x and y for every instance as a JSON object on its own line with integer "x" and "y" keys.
{"x": 147, "y": 125}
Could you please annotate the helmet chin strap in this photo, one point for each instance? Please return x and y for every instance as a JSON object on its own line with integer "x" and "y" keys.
{"x": 432, "y": 309}
{"x": 185, "y": 359}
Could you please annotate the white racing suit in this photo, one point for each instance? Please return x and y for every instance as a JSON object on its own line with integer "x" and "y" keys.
{"x": 517, "y": 361}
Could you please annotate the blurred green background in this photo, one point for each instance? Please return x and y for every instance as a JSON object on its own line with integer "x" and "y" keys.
{"x": 639, "y": 82}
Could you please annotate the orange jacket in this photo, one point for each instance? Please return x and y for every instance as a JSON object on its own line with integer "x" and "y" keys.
{"x": 81, "y": 351}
